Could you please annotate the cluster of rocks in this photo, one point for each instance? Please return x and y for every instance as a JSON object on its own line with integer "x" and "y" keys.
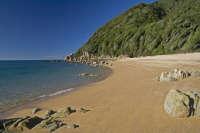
{"x": 51, "y": 121}
{"x": 89, "y": 59}
{"x": 183, "y": 103}
{"x": 177, "y": 74}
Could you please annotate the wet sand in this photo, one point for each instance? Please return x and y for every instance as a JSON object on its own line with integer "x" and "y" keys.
{"x": 130, "y": 100}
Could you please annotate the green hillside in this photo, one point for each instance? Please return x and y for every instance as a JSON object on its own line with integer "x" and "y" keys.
{"x": 163, "y": 27}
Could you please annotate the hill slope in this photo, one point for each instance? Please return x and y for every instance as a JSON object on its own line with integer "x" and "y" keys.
{"x": 166, "y": 26}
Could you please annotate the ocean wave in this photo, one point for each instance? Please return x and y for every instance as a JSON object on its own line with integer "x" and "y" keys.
{"x": 42, "y": 96}
{"x": 60, "y": 92}
{"x": 57, "y": 93}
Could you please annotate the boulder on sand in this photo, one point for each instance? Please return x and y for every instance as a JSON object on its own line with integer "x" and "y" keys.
{"x": 51, "y": 121}
{"x": 20, "y": 124}
{"x": 48, "y": 113}
{"x": 174, "y": 75}
{"x": 182, "y": 103}
{"x": 195, "y": 73}
{"x": 51, "y": 124}
{"x": 166, "y": 76}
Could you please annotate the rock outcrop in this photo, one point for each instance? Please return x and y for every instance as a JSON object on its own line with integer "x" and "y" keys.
{"x": 86, "y": 58}
{"x": 69, "y": 58}
{"x": 183, "y": 103}
{"x": 35, "y": 110}
{"x": 177, "y": 74}
{"x": 49, "y": 113}
{"x": 51, "y": 121}
{"x": 18, "y": 125}
{"x": 195, "y": 73}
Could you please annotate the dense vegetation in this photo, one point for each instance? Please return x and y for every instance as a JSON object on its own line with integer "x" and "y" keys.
{"x": 162, "y": 27}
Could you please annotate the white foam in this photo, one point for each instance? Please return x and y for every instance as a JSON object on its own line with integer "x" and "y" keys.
{"x": 42, "y": 96}
{"x": 60, "y": 92}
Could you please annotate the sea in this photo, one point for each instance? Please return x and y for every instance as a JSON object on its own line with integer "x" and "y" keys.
{"x": 24, "y": 81}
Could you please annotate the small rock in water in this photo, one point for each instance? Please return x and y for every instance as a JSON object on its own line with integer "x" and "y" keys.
{"x": 35, "y": 110}
{"x": 87, "y": 75}
{"x": 84, "y": 74}
{"x": 94, "y": 63}
{"x": 182, "y": 103}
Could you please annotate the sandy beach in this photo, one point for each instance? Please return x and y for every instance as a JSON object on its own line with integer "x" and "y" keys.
{"x": 130, "y": 100}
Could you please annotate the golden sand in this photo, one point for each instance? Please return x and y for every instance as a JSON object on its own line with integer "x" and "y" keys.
{"x": 130, "y": 100}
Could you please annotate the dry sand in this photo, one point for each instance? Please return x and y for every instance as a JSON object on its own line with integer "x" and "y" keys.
{"x": 130, "y": 100}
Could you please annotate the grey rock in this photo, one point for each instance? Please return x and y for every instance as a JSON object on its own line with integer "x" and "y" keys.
{"x": 54, "y": 125}
{"x": 69, "y": 58}
{"x": 94, "y": 63}
{"x": 166, "y": 76}
{"x": 62, "y": 113}
{"x": 30, "y": 123}
{"x": 84, "y": 74}
{"x": 20, "y": 124}
{"x": 35, "y": 110}
{"x": 87, "y": 75}
{"x": 195, "y": 73}
{"x": 5, "y": 123}
{"x": 69, "y": 110}
{"x": 102, "y": 62}
{"x": 14, "y": 125}
{"x": 51, "y": 124}
{"x": 174, "y": 75}
{"x": 48, "y": 113}
{"x": 182, "y": 103}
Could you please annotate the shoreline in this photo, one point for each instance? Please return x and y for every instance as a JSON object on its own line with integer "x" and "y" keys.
{"x": 128, "y": 100}
{"x": 32, "y": 103}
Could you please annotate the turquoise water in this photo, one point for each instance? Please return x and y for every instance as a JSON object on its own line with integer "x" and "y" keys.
{"x": 22, "y": 81}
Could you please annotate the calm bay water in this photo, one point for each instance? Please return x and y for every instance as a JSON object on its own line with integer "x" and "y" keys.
{"x": 22, "y": 81}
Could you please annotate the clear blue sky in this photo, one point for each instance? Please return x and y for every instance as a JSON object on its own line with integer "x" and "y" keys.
{"x": 46, "y": 29}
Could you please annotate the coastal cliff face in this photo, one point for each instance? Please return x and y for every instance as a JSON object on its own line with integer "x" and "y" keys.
{"x": 162, "y": 27}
